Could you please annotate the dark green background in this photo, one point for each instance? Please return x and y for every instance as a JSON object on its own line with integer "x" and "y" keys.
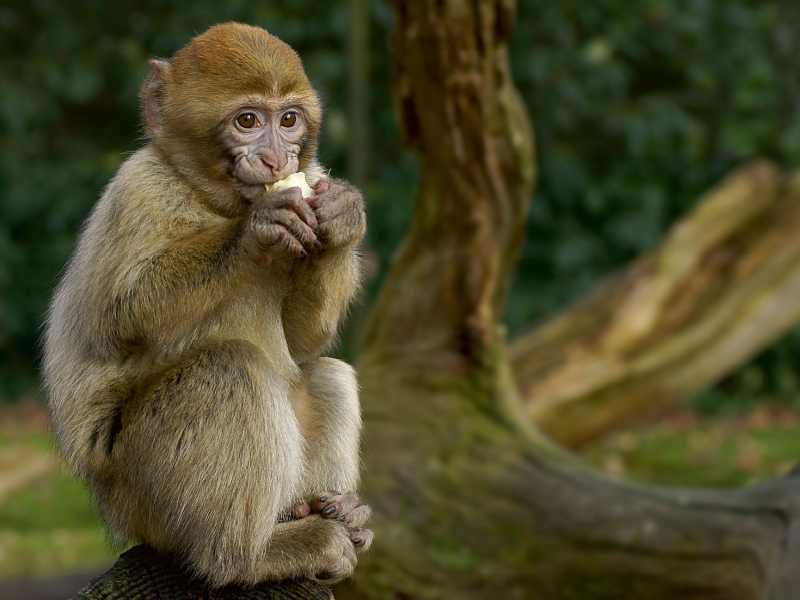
{"x": 639, "y": 107}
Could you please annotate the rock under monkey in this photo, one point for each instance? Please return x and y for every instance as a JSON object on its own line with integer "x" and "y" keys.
{"x": 183, "y": 344}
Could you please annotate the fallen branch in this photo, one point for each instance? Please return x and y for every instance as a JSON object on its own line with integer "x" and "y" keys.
{"x": 723, "y": 285}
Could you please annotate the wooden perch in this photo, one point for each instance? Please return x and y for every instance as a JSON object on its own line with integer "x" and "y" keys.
{"x": 723, "y": 285}
{"x": 141, "y": 573}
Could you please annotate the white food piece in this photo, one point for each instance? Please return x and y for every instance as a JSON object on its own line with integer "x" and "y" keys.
{"x": 294, "y": 180}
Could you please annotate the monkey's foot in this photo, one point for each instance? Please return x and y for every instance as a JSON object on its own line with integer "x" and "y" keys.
{"x": 347, "y": 509}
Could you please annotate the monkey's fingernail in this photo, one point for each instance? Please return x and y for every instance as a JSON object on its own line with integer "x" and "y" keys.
{"x": 303, "y": 252}
{"x": 323, "y": 498}
{"x": 340, "y": 519}
{"x": 357, "y": 541}
{"x": 325, "y": 575}
{"x": 317, "y": 244}
{"x": 330, "y": 510}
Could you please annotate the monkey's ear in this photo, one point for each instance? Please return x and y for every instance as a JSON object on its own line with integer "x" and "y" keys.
{"x": 154, "y": 94}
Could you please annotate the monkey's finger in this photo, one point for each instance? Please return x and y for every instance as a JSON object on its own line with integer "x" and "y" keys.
{"x": 282, "y": 197}
{"x": 266, "y": 258}
{"x": 323, "y": 185}
{"x": 299, "y": 207}
{"x": 358, "y": 517}
{"x": 362, "y": 539}
{"x": 321, "y": 501}
{"x": 322, "y": 196}
{"x": 304, "y": 234}
{"x": 270, "y": 235}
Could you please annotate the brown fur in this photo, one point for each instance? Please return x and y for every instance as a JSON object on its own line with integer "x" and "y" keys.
{"x": 184, "y": 380}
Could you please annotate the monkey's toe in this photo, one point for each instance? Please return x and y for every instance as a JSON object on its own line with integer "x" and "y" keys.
{"x": 358, "y": 517}
{"x": 362, "y": 539}
{"x": 301, "y": 510}
{"x": 333, "y": 507}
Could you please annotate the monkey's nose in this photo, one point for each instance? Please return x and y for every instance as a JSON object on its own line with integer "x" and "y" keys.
{"x": 274, "y": 161}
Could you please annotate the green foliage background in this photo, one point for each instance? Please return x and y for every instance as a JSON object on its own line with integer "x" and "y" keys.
{"x": 639, "y": 107}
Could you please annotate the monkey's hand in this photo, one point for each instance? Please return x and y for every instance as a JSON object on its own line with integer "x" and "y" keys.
{"x": 281, "y": 221}
{"x": 339, "y": 210}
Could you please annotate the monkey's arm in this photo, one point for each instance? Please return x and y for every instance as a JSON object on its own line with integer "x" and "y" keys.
{"x": 165, "y": 292}
{"x": 326, "y": 282}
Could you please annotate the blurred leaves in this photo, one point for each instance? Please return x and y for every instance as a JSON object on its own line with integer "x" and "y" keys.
{"x": 638, "y": 107}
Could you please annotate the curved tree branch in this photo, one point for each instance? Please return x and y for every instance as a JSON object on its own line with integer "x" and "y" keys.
{"x": 723, "y": 284}
{"x": 458, "y": 107}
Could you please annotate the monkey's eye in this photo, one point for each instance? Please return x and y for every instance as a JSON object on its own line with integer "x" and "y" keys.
{"x": 289, "y": 119}
{"x": 246, "y": 120}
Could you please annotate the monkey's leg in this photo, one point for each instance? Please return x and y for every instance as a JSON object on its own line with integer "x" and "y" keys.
{"x": 206, "y": 457}
{"x": 330, "y": 417}
{"x": 329, "y": 413}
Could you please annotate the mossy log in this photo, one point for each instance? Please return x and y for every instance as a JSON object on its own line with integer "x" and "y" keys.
{"x": 141, "y": 573}
{"x": 723, "y": 284}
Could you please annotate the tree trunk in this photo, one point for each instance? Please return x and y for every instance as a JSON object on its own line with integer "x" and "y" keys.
{"x": 470, "y": 500}
{"x": 723, "y": 285}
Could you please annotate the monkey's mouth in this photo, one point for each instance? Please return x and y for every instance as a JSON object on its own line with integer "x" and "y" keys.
{"x": 248, "y": 191}
{"x": 250, "y": 179}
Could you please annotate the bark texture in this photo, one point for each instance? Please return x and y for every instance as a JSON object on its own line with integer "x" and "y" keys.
{"x": 723, "y": 284}
{"x": 141, "y": 573}
{"x": 470, "y": 500}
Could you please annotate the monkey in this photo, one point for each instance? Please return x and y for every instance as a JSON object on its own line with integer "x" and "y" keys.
{"x": 184, "y": 346}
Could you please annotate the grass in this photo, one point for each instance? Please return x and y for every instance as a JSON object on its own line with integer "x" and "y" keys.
{"x": 688, "y": 451}
{"x": 49, "y": 525}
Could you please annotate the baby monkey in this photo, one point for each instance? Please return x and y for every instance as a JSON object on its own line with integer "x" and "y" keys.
{"x": 183, "y": 345}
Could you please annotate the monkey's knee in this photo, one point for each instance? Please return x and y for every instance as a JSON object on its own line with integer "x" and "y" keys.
{"x": 332, "y": 443}
{"x": 334, "y": 384}
{"x": 333, "y": 391}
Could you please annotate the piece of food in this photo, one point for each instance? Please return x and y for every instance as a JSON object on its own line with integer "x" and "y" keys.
{"x": 294, "y": 180}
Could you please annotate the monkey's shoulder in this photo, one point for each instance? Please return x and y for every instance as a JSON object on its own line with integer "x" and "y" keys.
{"x": 147, "y": 200}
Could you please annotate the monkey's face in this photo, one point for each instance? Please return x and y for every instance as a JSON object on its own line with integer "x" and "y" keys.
{"x": 264, "y": 138}
{"x": 233, "y": 110}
